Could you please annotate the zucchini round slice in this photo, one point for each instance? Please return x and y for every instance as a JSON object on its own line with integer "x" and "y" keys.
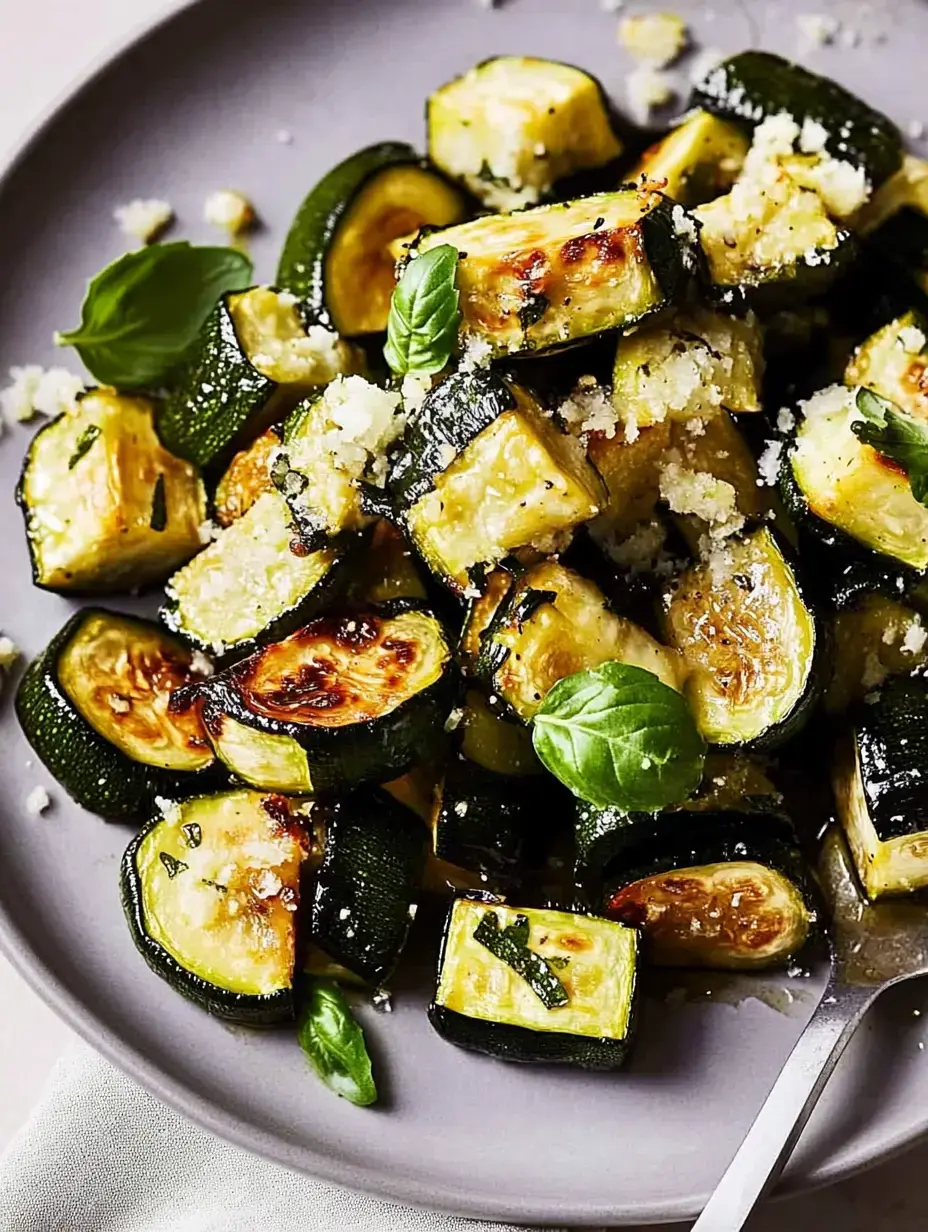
{"x": 96, "y": 707}
{"x": 254, "y": 361}
{"x": 696, "y": 162}
{"x": 336, "y": 256}
{"x": 346, "y": 700}
{"x": 211, "y": 889}
{"x": 547, "y": 986}
{"x": 750, "y": 644}
{"x": 894, "y": 363}
{"x": 367, "y": 887}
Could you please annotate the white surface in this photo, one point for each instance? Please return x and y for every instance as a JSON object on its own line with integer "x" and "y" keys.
{"x": 43, "y": 45}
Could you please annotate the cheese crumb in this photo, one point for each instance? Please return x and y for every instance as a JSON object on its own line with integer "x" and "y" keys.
{"x": 37, "y": 801}
{"x": 786, "y": 420}
{"x": 414, "y": 391}
{"x": 697, "y": 492}
{"x": 201, "y": 665}
{"x": 9, "y": 653}
{"x": 915, "y": 129}
{"x": 656, "y": 39}
{"x": 817, "y": 29}
{"x": 702, "y": 64}
{"x": 643, "y": 551}
{"x": 912, "y": 339}
{"x": 915, "y": 637}
{"x": 208, "y": 531}
{"x": 34, "y": 390}
{"x": 646, "y": 89}
{"x": 144, "y": 220}
{"x": 588, "y": 408}
{"x": 476, "y": 353}
{"x": 769, "y": 462}
{"x": 229, "y": 210}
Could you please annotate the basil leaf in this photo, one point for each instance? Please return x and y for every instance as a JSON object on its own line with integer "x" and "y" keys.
{"x": 333, "y": 1043}
{"x": 618, "y": 736}
{"x": 172, "y": 865}
{"x": 897, "y": 436}
{"x": 510, "y": 945}
{"x": 83, "y": 444}
{"x": 143, "y": 312}
{"x": 422, "y": 328}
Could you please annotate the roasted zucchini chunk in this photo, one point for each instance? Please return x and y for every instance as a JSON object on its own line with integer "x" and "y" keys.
{"x": 388, "y": 570}
{"x": 346, "y": 700}
{"x": 696, "y": 162}
{"x": 750, "y": 643}
{"x": 96, "y": 707}
{"x": 878, "y": 782}
{"x": 843, "y": 492}
{"x": 894, "y": 363}
{"x": 688, "y": 368}
{"x": 902, "y": 241}
{"x": 210, "y": 889}
{"x": 720, "y": 890}
{"x": 246, "y": 478}
{"x": 555, "y": 623}
{"x": 513, "y": 126}
{"x": 480, "y": 820}
{"x": 367, "y": 887}
{"x": 755, "y": 85}
{"x": 906, "y": 189}
{"x": 493, "y": 742}
{"x": 557, "y": 274}
{"x": 106, "y": 507}
{"x": 481, "y": 608}
{"x": 257, "y": 581}
{"x": 536, "y": 985}
{"x": 255, "y": 359}
{"x": 336, "y": 257}
{"x": 875, "y": 638}
{"x": 484, "y": 471}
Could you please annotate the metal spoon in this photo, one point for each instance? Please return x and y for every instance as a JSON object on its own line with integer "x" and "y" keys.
{"x": 873, "y": 946}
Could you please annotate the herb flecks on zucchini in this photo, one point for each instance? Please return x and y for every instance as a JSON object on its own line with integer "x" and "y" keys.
{"x": 557, "y": 274}
{"x": 211, "y": 889}
{"x": 87, "y": 493}
{"x": 511, "y": 127}
{"x": 696, "y": 162}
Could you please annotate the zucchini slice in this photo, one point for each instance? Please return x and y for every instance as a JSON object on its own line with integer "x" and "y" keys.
{"x": 513, "y": 126}
{"x": 894, "y": 363}
{"x": 106, "y": 507}
{"x": 346, "y": 700}
{"x": 96, "y": 707}
{"x": 835, "y": 485}
{"x": 696, "y": 162}
{"x": 254, "y": 360}
{"x": 495, "y": 743}
{"x": 754, "y": 85}
{"x": 715, "y": 890}
{"x": 481, "y": 608}
{"x": 258, "y": 581}
{"x": 555, "y": 623}
{"x": 750, "y": 644}
{"x": 246, "y": 478}
{"x": 211, "y": 888}
{"x": 388, "y": 570}
{"x": 367, "y": 887}
{"x": 878, "y": 782}
{"x": 905, "y": 189}
{"x": 336, "y": 256}
{"x": 874, "y": 639}
{"x": 557, "y": 274}
{"x": 484, "y": 1003}
{"x": 688, "y": 368}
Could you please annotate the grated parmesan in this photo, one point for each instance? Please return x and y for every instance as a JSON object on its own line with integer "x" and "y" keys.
{"x": 647, "y": 88}
{"x": 915, "y": 637}
{"x": 34, "y": 390}
{"x": 588, "y": 408}
{"x": 37, "y": 801}
{"x": 769, "y": 462}
{"x": 414, "y": 391}
{"x": 702, "y": 494}
{"x": 912, "y": 339}
{"x": 655, "y": 39}
{"x": 144, "y": 219}
{"x": 229, "y": 210}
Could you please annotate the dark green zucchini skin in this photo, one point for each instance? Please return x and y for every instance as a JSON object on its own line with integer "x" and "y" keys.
{"x": 484, "y": 821}
{"x": 368, "y": 883}
{"x": 247, "y": 1009}
{"x": 892, "y": 745}
{"x": 784, "y": 287}
{"x": 219, "y": 400}
{"x": 94, "y": 773}
{"x": 749, "y": 87}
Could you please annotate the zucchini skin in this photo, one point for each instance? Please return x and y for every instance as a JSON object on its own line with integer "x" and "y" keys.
{"x": 206, "y": 427}
{"x": 94, "y": 773}
{"x": 499, "y": 813}
{"x": 749, "y": 87}
{"x": 253, "y": 1010}
{"x": 892, "y": 744}
{"x": 367, "y": 885}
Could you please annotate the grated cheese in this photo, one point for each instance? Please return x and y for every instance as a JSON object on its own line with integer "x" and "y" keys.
{"x": 144, "y": 219}
{"x": 912, "y": 339}
{"x": 476, "y": 353}
{"x": 588, "y": 408}
{"x": 35, "y": 390}
{"x": 200, "y": 665}
{"x": 769, "y": 462}
{"x": 702, "y": 64}
{"x": 414, "y": 391}
{"x": 656, "y": 39}
{"x": 229, "y": 210}
{"x": 915, "y": 637}
{"x": 646, "y": 89}
{"x": 817, "y": 29}
{"x": 37, "y": 801}
{"x": 697, "y": 492}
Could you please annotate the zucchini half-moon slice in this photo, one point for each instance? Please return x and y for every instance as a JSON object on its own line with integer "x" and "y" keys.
{"x": 696, "y": 162}
{"x": 879, "y": 784}
{"x": 96, "y": 707}
{"x": 211, "y": 889}
{"x": 894, "y": 363}
{"x": 559, "y": 989}
{"x": 346, "y": 700}
{"x": 874, "y": 638}
{"x": 336, "y": 256}
{"x": 723, "y": 890}
{"x": 751, "y": 645}
{"x": 255, "y": 359}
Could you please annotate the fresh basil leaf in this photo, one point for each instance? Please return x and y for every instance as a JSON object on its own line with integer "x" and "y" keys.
{"x": 172, "y": 865}
{"x": 333, "y": 1043}
{"x": 510, "y": 945}
{"x": 616, "y": 735}
{"x": 142, "y": 313}
{"x": 896, "y": 435}
{"x": 83, "y": 444}
{"x": 422, "y": 328}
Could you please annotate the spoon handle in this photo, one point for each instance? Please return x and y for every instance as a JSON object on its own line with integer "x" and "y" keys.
{"x": 776, "y": 1129}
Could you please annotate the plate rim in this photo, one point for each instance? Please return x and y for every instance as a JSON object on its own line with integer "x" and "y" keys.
{"x": 172, "y": 1091}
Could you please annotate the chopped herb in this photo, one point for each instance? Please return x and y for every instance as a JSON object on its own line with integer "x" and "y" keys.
{"x": 172, "y": 865}
{"x": 208, "y": 881}
{"x": 487, "y": 175}
{"x": 84, "y": 441}
{"x": 600, "y": 222}
{"x": 897, "y": 436}
{"x": 288, "y": 482}
{"x": 560, "y": 962}
{"x": 159, "y": 508}
{"x": 533, "y": 309}
{"x": 192, "y": 833}
{"x": 510, "y": 945}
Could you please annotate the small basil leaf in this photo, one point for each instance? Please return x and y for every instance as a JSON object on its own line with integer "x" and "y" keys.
{"x": 618, "y": 736}
{"x": 142, "y": 313}
{"x": 897, "y": 436}
{"x": 172, "y": 865}
{"x": 422, "y": 328}
{"x": 333, "y": 1043}
{"x": 510, "y": 945}
{"x": 83, "y": 444}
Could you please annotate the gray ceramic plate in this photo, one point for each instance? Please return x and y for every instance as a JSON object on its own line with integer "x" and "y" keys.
{"x": 194, "y": 106}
